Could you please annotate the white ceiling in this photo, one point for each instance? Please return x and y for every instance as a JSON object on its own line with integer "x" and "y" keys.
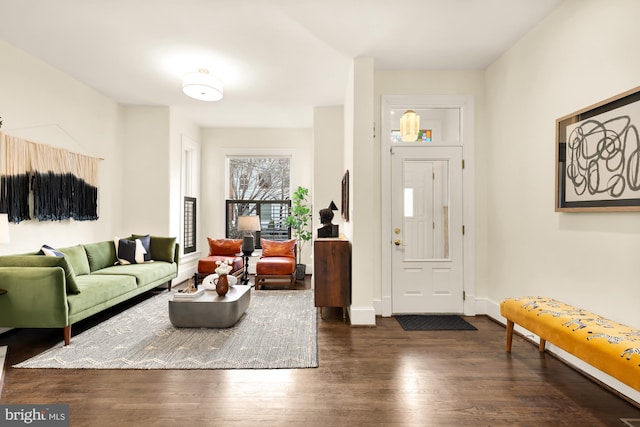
{"x": 278, "y": 59}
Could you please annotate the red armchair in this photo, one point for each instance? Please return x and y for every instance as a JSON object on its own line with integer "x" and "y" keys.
{"x": 222, "y": 249}
{"x": 277, "y": 265}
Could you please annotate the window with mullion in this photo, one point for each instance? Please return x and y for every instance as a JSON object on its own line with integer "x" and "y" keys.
{"x": 259, "y": 185}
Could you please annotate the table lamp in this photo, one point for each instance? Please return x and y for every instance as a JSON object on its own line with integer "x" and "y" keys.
{"x": 248, "y": 224}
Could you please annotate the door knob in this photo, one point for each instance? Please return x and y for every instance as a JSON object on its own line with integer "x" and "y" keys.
{"x": 397, "y": 242}
{"x": 396, "y": 230}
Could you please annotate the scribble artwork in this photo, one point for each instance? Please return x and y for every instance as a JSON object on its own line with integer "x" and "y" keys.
{"x": 598, "y": 156}
{"x": 603, "y": 158}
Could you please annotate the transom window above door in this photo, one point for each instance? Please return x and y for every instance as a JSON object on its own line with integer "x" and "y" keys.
{"x": 429, "y": 126}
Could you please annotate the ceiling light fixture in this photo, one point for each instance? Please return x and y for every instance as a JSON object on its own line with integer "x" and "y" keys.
{"x": 202, "y": 85}
{"x": 409, "y": 126}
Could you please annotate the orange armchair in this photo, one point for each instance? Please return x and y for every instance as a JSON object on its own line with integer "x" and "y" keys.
{"x": 277, "y": 265}
{"x": 221, "y": 249}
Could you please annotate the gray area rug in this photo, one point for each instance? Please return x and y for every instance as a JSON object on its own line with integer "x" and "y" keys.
{"x": 278, "y": 330}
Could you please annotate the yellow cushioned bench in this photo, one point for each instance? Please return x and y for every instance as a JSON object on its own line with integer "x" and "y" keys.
{"x": 607, "y": 345}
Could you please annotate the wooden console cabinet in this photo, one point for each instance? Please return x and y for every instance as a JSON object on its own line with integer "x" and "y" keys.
{"x": 332, "y": 273}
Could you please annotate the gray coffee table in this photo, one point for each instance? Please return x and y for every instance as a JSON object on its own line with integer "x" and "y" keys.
{"x": 210, "y": 310}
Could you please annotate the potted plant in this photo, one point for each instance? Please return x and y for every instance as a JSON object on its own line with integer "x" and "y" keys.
{"x": 299, "y": 220}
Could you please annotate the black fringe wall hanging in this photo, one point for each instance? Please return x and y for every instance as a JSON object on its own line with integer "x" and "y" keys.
{"x": 64, "y": 184}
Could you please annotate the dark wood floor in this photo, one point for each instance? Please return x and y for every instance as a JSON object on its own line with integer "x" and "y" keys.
{"x": 380, "y": 376}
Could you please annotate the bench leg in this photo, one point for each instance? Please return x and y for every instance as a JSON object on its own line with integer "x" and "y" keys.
{"x": 542, "y": 344}
{"x": 509, "y": 335}
{"x": 67, "y": 335}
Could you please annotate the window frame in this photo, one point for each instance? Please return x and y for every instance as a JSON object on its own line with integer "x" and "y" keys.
{"x": 256, "y": 234}
{"x": 254, "y": 153}
{"x": 189, "y": 188}
{"x": 190, "y": 235}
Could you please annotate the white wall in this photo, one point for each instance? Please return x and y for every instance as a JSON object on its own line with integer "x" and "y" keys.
{"x": 146, "y": 166}
{"x": 184, "y": 134}
{"x": 181, "y": 128}
{"x": 152, "y": 170}
{"x": 43, "y": 105}
{"x": 359, "y": 160}
{"x": 584, "y": 52}
{"x": 328, "y": 161}
{"x": 139, "y": 178}
{"x": 348, "y": 124}
{"x": 218, "y": 142}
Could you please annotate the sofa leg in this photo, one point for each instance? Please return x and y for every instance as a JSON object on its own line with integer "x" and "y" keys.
{"x": 67, "y": 335}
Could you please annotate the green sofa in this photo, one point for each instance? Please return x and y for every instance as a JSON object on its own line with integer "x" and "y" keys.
{"x": 51, "y": 292}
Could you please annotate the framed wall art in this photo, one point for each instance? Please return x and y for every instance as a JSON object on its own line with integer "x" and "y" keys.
{"x": 345, "y": 196}
{"x": 598, "y": 156}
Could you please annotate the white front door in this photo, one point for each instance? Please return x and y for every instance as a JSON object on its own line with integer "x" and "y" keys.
{"x": 426, "y": 234}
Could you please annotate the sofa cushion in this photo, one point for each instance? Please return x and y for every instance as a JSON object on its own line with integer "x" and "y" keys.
{"x": 99, "y": 289}
{"x": 144, "y": 273}
{"x": 208, "y": 264}
{"x": 276, "y": 265}
{"x": 161, "y": 248}
{"x": 224, "y": 247}
{"x": 77, "y": 258}
{"x": 273, "y": 248}
{"x": 129, "y": 251}
{"x": 100, "y": 255}
{"x": 44, "y": 261}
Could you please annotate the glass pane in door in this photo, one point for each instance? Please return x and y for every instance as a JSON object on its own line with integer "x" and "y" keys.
{"x": 426, "y": 210}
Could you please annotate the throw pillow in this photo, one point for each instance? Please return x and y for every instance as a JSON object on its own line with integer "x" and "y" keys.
{"x": 146, "y": 244}
{"x": 129, "y": 251}
{"x": 286, "y": 248}
{"x": 224, "y": 247}
{"x": 77, "y": 258}
{"x": 160, "y": 248}
{"x": 49, "y": 251}
{"x": 70, "y": 276}
{"x": 101, "y": 255}
{"x": 163, "y": 248}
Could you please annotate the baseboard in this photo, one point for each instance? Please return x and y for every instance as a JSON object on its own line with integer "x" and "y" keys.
{"x": 483, "y": 306}
{"x": 362, "y": 316}
{"x": 492, "y": 310}
{"x": 471, "y": 308}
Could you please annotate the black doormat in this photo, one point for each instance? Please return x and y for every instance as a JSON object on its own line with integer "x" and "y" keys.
{"x": 434, "y": 323}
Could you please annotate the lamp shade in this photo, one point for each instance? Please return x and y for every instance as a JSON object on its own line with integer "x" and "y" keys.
{"x": 202, "y": 85}
{"x": 249, "y": 223}
{"x": 4, "y": 228}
